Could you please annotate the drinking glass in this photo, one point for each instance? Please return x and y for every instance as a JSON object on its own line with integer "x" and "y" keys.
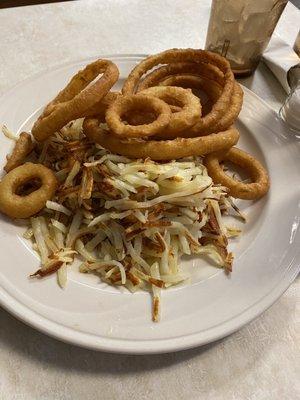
{"x": 240, "y": 30}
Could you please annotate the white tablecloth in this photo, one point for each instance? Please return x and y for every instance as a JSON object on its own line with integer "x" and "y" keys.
{"x": 260, "y": 361}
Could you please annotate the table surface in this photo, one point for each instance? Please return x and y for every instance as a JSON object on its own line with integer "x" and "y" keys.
{"x": 259, "y": 361}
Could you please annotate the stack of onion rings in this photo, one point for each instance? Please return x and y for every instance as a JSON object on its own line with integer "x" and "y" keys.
{"x": 206, "y": 123}
{"x": 209, "y": 66}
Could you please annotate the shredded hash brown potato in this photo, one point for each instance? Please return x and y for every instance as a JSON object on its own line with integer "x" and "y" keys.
{"x": 129, "y": 221}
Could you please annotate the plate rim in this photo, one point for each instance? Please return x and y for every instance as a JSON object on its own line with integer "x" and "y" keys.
{"x": 114, "y": 345}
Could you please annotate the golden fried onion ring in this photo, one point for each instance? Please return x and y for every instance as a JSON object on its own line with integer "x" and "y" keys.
{"x": 137, "y": 103}
{"x": 204, "y": 64}
{"x": 23, "y": 147}
{"x": 160, "y": 150}
{"x": 16, "y": 206}
{"x": 73, "y": 101}
{"x": 186, "y": 117}
{"x": 238, "y": 189}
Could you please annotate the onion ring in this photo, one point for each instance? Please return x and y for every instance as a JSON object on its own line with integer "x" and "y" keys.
{"x": 23, "y": 147}
{"x": 238, "y": 189}
{"x": 185, "y": 118}
{"x": 190, "y": 55}
{"x": 16, "y": 206}
{"x": 72, "y": 102}
{"x": 138, "y": 102}
{"x": 160, "y": 150}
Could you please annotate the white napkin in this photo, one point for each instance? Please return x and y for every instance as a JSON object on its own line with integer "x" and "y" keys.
{"x": 280, "y": 58}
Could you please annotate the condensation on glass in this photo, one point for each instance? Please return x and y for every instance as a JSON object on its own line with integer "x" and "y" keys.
{"x": 240, "y": 30}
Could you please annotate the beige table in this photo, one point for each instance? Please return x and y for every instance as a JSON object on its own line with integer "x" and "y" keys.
{"x": 260, "y": 361}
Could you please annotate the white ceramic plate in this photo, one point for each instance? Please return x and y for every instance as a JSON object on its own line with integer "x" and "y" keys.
{"x": 91, "y": 314}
